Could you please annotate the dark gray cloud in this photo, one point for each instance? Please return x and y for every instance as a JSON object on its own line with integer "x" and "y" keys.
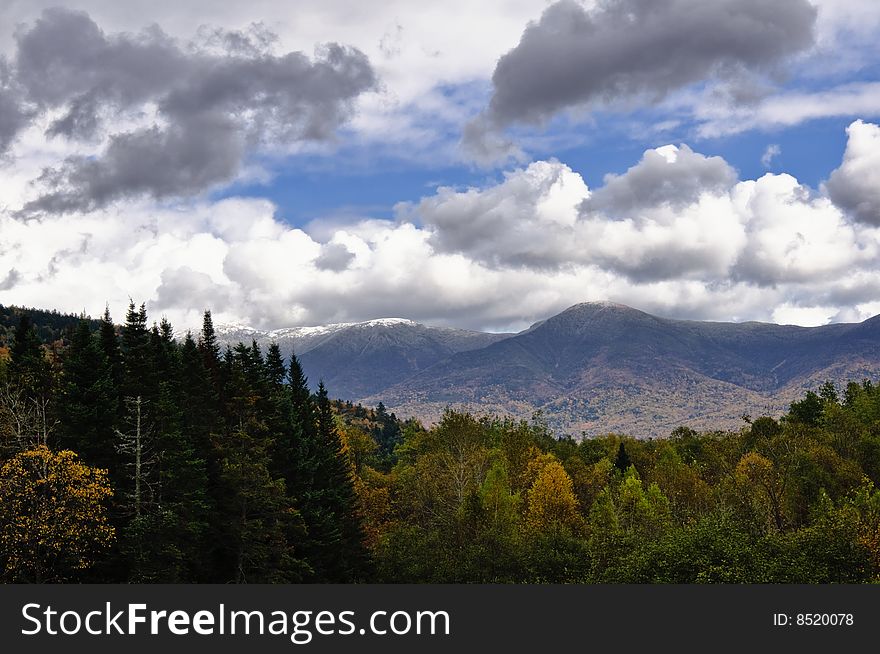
{"x": 13, "y": 116}
{"x": 10, "y": 280}
{"x": 65, "y": 57}
{"x": 624, "y": 49}
{"x": 217, "y": 101}
{"x": 177, "y": 161}
{"x": 335, "y": 257}
{"x": 671, "y": 176}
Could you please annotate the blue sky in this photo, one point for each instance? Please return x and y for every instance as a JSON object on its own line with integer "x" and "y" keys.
{"x": 479, "y": 165}
{"x": 306, "y": 188}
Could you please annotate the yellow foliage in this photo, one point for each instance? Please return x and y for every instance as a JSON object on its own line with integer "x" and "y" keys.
{"x": 761, "y": 487}
{"x": 552, "y": 502}
{"x": 374, "y": 505}
{"x": 52, "y": 515}
{"x": 537, "y": 462}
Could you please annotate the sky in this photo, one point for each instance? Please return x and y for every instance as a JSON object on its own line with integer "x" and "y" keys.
{"x": 478, "y": 165}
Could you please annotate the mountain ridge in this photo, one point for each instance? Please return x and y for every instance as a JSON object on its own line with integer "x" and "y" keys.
{"x": 591, "y": 368}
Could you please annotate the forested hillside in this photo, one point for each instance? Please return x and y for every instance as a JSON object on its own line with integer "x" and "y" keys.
{"x": 190, "y": 464}
{"x": 131, "y": 456}
{"x": 50, "y": 325}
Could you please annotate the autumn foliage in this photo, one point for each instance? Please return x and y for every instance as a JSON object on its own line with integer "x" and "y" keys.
{"x": 53, "y": 515}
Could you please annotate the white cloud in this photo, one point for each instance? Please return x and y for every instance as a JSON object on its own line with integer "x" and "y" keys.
{"x": 773, "y": 150}
{"x": 785, "y": 109}
{"x": 786, "y": 314}
{"x": 419, "y": 50}
{"x": 855, "y": 186}
{"x": 495, "y": 257}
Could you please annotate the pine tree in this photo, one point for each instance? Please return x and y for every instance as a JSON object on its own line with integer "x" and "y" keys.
{"x": 109, "y": 342}
{"x": 27, "y": 362}
{"x": 200, "y": 423}
{"x": 261, "y": 527}
{"x": 138, "y": 364}
{"x": 333, "y": 521}
{"x": 180, "y": 522}
{"x": 27, "y": 398}
{"x": 89, "y": 405}
{"x": 622, "y": 462}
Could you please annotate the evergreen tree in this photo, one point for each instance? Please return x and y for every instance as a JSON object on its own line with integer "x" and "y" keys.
{"x": 622, "y": 462}
{"x": 293, "y": 452}
{"x": 275, "y": 370}
{"x": 199, "y": 423}
{"x": 210, "y": 349}
{"x": 28, "y": 397}
{"x": 336, "y": 522}
{"x": 261, "y": 527}
{"x": 27, "y": 362}
{"x": 109, "y": 342}
{"x": 179, "y": 521}
{"x": 89, "y": 405}
{"x": 388, "y": 435}
{"x": 139, "y": 373}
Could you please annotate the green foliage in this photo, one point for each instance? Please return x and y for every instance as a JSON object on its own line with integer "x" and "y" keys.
{"x": 89, "y": 405}
{"x": 221, "y": 471}
{"x": 782, "y": 501}
{"x": 223, "y": 467}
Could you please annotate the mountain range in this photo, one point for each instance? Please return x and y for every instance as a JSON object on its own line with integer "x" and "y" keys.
{"x": 596, "y": 367}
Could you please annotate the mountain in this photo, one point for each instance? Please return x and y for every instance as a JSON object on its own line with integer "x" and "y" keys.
{"x": 594, "y": 368}
{"x": 600, "y": 367}
{"x": 357, "y": 360}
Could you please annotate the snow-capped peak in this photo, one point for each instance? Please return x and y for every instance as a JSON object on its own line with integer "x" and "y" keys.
{"x": 317, "y": 330}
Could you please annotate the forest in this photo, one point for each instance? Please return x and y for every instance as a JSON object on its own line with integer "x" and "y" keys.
{"x": 130, "y": 456}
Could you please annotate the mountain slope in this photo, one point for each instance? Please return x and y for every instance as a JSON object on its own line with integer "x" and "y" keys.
{"x": 599, "y": 367}
{"x": 356, "y": 360}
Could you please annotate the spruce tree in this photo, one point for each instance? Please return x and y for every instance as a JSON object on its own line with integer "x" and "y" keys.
{"x": 260, "y": 527}
{"x": 139, "y": 374}
{"x": 109, "y": 342}
{"x": 31, "y": 387}
{"x": 622, "y": 462}
{"x": 27, "y": 361}
{"x": 180, "y": 523}
{"x": 335, "y": 526}
{"x": 200, "y": 424}
{"x": 293, "y": 452}
{"x": 89, "y": 405}
{"x": 275, "y": 369}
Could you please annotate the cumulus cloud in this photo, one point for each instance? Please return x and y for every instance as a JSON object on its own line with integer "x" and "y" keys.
{"x": 693, "y": 242}
{"x": 855, "y": 186}
{"x": 207, "y": 106}
{"x": 667, "y": 216}
{"x": 627, "y": 49}
{"x": 671, "y": 175}
{"x": 528, "y": 219}
{"x": 334, "y": 256}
